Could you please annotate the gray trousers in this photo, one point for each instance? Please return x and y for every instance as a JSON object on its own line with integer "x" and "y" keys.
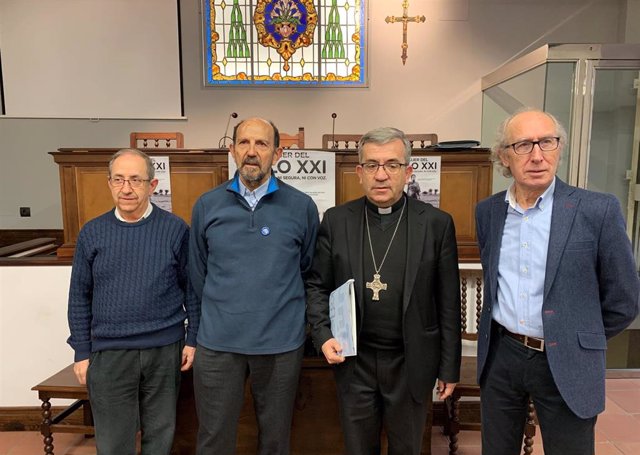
{"x": 133, "y": 389}
{"x": 218, "y": 383}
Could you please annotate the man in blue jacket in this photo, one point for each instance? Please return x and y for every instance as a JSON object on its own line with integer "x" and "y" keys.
{"x": 252, "y": 242}
{"x": 560, "y": 279}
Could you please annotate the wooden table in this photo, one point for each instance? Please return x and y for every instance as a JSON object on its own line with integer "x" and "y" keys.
{"x": 63, "y": 384}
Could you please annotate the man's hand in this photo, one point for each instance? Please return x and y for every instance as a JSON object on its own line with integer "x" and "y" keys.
{"x": 445, "y": 389}
{"x": 332, "y": 351}
{"x": 80, "y": 369}
{"x": 188, "y": 352}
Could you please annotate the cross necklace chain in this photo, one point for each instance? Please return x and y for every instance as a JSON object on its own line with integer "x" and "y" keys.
{"x": 377, "y": 285}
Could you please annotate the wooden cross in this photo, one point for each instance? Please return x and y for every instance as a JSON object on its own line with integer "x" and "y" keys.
{"x": 405, "y": 19}
{"x": 376, "y": 286}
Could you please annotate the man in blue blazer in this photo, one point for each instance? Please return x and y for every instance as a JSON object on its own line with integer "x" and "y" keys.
{"x": 560, "y": 279}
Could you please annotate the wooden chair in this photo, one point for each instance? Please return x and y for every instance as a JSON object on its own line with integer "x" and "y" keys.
{"x": 165, "y": 140}
{"x": 288, "y": 141}
{"x": 340, "y": 141}
{"x": 422, "y": 141}
{"x": 350, "y": 141}
{"x": 468, "y": 386}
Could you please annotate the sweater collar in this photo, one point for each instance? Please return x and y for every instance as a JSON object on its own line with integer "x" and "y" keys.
{"x": 144, "y": 215}
{"x": 234, "y": 185}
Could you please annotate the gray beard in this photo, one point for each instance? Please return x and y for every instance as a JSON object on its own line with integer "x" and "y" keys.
{"x": 252, "y": 177}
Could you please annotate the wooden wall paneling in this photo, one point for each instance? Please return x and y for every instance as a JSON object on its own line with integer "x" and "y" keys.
{"x": 348, "y": 185}
{"x": 461, "y": 190}
{"x": 69, "y": 198}
{"x": 190, "y": 182}
{"x": 92, "y": 183}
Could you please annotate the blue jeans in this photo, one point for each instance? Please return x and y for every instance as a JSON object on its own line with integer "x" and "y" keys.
{"x": 135, "y": 389}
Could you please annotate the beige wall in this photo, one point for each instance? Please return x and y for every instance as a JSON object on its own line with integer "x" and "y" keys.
{"x": 630, "y": 17}
{"x": 33, "y": 330}
{"x": 437, "y": 91}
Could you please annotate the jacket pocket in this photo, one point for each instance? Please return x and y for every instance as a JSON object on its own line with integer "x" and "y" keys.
{"x": 580, "y": 246}
{"x": 591, "y": 340}
{"x": 430, "y": 334}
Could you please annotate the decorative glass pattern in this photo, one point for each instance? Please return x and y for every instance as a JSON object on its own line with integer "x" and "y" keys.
{"x": 237, "y": 46}
{"x": 285, "y": 42}
{"x": 333, "y": 44}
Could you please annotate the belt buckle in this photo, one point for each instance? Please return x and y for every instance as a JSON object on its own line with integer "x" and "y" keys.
{"x": 526, "y": 343}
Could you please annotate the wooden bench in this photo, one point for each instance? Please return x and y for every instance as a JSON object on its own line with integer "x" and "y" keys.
{"x": 315, "y": 427}
{"x": 63, "y": 384}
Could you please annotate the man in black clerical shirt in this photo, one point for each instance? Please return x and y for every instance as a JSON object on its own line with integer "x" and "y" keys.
{"x": 402, "y": 255}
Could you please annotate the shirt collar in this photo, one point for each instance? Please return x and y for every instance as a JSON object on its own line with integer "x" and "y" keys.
{"x": 144, "y": 215}
{"x": 542, "y": 202}
{"x": 234, "y": 184}
{"x": 258, "y": 192}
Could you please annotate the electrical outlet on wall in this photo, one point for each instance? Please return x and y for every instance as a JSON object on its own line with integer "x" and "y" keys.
{"x": 25, "y": 211}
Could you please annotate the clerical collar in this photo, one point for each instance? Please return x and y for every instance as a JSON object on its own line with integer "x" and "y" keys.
{"x": 145, "y": 215}
{"x": 386, "y": 210}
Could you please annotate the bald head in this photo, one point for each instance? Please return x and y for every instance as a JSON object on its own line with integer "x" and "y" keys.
{"x": 276, "y": 133}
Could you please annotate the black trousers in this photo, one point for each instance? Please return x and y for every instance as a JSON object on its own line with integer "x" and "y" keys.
{"x": 131, "y": 389}
{"x": 379, "y": 395}
{"x": 218, "y": 382}
{"x": 513, "y": 373}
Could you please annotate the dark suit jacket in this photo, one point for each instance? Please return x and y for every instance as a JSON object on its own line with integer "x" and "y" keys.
{"x": 431, "y": 296}
{"x": 590, "y": 289}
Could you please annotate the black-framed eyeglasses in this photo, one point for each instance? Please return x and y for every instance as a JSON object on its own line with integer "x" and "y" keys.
{"x": 546, "y": 144}
{"x": 133, "y": 183}
{"x": 390, "y": 167}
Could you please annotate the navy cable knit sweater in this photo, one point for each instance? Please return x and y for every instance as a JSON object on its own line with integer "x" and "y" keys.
{"x": 129, "y": 285}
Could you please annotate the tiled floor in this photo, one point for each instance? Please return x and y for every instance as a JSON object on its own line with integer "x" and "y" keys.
{"x": 617, "y": 431}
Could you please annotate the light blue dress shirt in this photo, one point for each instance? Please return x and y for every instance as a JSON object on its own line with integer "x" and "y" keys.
{"x": 253, "y": 197}
{"x": 521, "y": 268}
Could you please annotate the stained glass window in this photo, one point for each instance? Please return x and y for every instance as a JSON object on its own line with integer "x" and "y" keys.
{"x": 284, "y": 42}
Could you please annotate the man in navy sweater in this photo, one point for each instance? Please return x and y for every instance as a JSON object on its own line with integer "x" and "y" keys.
{"x": 127, "y": 300}
{"x": 252, "y": 241}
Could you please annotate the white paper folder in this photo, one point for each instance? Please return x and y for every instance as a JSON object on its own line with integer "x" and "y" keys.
{"x": 342, "y": 311}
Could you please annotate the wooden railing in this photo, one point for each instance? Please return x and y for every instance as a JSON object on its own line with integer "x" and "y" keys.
{"x": 36, "y": 247}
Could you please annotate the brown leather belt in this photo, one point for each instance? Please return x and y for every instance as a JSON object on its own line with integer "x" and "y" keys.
{"x": 536, "y": 344}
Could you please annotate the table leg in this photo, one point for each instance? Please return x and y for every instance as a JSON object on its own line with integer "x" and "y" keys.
{"x": 45, "y": 427}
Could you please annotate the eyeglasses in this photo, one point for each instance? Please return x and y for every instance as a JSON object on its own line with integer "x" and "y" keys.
{"x": 546, "y": 144}
{"x": 390, "y": 167}
{"x": 134, "y": 182}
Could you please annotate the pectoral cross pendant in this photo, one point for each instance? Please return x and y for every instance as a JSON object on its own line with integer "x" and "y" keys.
{"x": 376, "y": 286}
